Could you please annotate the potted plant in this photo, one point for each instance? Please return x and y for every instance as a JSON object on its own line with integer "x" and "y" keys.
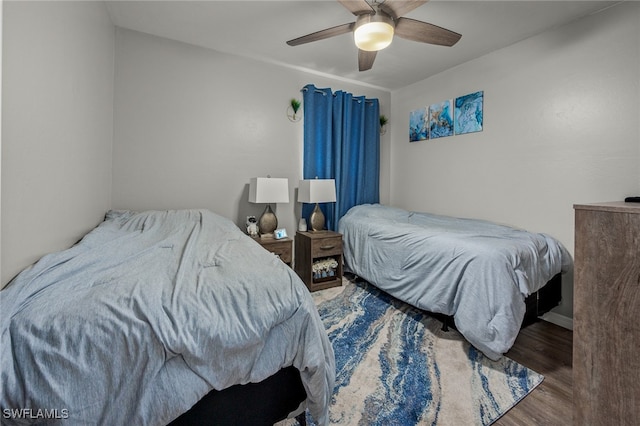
{"x": 294, "y": 106}
{"x": 383, "y": 122}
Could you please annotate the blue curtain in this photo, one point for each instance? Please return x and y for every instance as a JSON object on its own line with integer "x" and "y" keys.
{"x": 341, "y": 142}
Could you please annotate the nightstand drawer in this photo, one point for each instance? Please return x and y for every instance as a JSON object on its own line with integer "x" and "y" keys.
{"x": 282, "y": 250}
{"x": 326, "y": 246}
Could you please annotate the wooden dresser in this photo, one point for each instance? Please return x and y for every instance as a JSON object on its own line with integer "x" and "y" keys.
{"x": 606, "y": 314}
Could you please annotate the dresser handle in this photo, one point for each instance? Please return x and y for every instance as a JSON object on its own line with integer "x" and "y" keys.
{"x": 327, "y": 247}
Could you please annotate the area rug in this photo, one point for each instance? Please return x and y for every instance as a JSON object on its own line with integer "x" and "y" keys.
{"x": 396, "y": 366}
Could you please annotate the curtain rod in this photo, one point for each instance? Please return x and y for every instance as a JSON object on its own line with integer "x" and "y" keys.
{"x": 355, "y": 98}
{"x": 304, "y": 89}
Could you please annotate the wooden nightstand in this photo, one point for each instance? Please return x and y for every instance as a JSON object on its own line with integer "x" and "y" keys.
{"x": 281, "y": 248}
{"x": 316, "y": 246}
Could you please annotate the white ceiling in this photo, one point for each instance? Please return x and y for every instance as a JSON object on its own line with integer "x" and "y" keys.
{"x": 259, "y": 30}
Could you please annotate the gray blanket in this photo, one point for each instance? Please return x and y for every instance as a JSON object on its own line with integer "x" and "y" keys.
{"x": 146, "y": 315}
{"x": 479, "y": 272}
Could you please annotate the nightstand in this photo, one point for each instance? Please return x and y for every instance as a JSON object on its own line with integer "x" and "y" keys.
{"x": 320, "y": 247}
{"x": 281, "y": 248}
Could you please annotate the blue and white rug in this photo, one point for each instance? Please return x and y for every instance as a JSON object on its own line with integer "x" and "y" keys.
{"x": 395, "y": 366}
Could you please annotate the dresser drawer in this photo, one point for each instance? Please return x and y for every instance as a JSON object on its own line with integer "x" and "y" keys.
{"x": 329, "y": 246}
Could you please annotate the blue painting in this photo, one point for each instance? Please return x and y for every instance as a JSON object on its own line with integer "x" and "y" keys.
{"x": 418, "y": 128}
{"x": 440, "y": 120}
{"x": 468, "y": 113}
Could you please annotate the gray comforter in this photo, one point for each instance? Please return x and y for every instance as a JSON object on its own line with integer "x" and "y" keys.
{"x": 147, "y": 314}
{"x": 479, "y": 272}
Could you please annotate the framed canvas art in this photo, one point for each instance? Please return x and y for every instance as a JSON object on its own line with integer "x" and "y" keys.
{"x": 441, "y": 119}
{"x": 469, "y": 113}
{"x": 418, "y": 126}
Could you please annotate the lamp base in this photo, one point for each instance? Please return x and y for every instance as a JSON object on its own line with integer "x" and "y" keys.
{"x": 317, "y": 219}
{"x": 268, "y": 223}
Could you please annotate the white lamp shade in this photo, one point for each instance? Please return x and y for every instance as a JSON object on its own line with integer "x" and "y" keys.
{"x": 317, "y": 191}
{"x": 269, "y": 190}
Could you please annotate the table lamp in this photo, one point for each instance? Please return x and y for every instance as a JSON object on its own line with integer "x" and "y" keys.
{"x": 268, "y": 190}
{"x": 317, "y": 191}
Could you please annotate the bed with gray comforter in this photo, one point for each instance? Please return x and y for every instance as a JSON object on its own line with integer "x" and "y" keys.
{"x": 147, "y": 314}
{"x": 476, "y": 271}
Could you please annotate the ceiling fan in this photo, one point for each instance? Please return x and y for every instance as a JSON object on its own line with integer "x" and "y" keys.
{"x": 376, "y": 23}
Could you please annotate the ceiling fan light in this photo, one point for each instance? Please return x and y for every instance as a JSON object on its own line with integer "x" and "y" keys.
{"x": 373, "y": 36}
{"x": 373, "y": 32}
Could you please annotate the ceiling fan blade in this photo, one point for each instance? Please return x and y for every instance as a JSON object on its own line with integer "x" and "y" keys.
{"x": 323, "y": 34}
{"x": 398, "y": 8}
{"x": 357, "y": 7}
{"x": 425, "y": 33}
{"x": 365, "y": 60}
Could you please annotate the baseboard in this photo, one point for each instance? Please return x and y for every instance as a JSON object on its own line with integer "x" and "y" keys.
{"x": 558, "y": 319}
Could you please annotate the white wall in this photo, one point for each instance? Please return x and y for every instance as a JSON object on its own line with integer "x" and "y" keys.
{"x": 193, "y": 125}
{"x": 57, "y": 126}
{"x": 560, "y": 127}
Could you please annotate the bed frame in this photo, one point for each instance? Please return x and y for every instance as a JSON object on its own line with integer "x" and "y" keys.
{"x": 255, "y": 404}
{"x": 542, "y": 301}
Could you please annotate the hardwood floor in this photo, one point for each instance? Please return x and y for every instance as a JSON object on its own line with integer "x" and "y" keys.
{"x": 547, "y": 349}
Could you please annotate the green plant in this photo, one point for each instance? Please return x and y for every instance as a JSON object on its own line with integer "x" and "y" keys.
{"x": 295, "y": 105}
{"x": 383, "y": 120}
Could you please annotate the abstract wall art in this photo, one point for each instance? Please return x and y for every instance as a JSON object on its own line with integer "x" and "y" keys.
{"x": 469, "y": 113}
{"x": 464, "y": 114}
{"x": 441, "y": 119}
{"x": 418, "y": 125}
